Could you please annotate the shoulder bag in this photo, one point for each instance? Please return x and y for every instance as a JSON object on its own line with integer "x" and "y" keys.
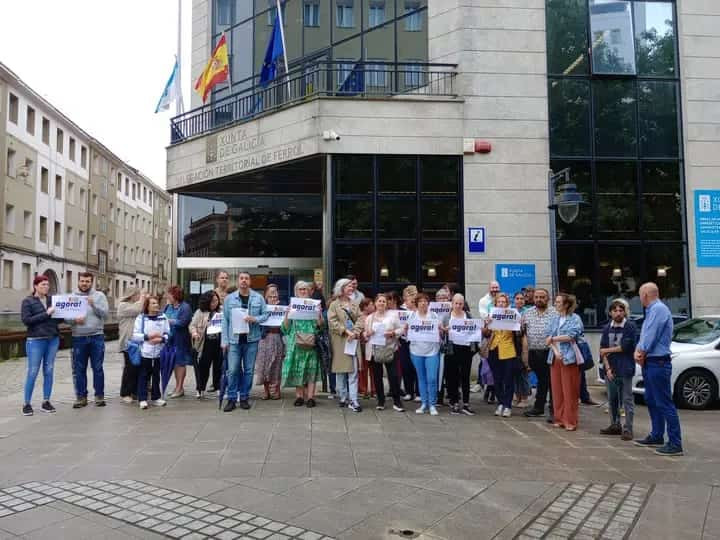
{"x": 134, "y": 349}
{"x": 305, "y": 340}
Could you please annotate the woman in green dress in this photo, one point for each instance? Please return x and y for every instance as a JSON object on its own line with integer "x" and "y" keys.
{"x": 301, "y": 368}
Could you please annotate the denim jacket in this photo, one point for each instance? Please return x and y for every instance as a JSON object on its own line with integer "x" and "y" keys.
{"x": 256, "y": 308}
{"x": 573, "y": 327}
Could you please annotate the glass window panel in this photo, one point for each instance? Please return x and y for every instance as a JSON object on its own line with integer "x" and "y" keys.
{"x": 580, "y": 175}
{"x": 240, "y": 40}
{"x": 440, "y": 262}
{"x": 661, "y": 201}
{"x": 348, "y": 54}
{"x": 354, "y": 259}
{"x": 344, "y": 13}
{"x": 569, "y": 118}
{"x": 615, "y": 125}
{"x": 617, "y": 200}
{"x": 440, "y": 175}
{"x": 613, "y": 43}
{"x": 399, "y": 259}
{"x": 567, "y": 36}
{"x": 353, "y": 175}
{"x": 223, "y": 13}
{"x": 317, "y": 37}
{"x": 397, "y": 218}
{"x": 412, "y": 35}
{"x": 311, "y": 13}
{"x": 576, "y": 267}
{"x": 353, "y": 219}
{"x": 658, "y": 117}
{"x": 397, "y": 174}
{"x": 376, "y": 13}
{"x": 664, "y": 265}
{"x": 655, "y": 38}
{"x": 619, "y": 276}
{"x": 380, "y": 46}
{"x": 439, "y": 218}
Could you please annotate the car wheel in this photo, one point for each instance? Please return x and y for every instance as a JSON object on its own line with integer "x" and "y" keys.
{"x": 696, "y": 389}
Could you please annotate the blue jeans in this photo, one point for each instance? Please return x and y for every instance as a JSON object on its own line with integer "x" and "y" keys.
{"x": 88, "y": 348}
{"x": 658, "y": 396}
{"x": 40, "y": 351}
{"x": 427, "y": 368}
{"x": 241, "y": 368}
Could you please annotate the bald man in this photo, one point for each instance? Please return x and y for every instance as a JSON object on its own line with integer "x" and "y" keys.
{"x": 653, "y": 355}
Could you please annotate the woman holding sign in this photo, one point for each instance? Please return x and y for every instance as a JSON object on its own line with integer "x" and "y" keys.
{"x": 343, "y": 314}
{"x": 271, "y": 349}
{"x": 43, "y": 340}
{"x": 459, "y": 361}
{"x": 424, "y": 336}
{"x": 301, "y": 368}
{"x": 152, "y": 330}
{"x": 205, "y": 333}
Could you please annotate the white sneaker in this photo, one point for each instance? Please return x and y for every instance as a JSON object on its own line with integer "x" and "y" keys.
{"x": 127, "y": 399}
{"x": 433, "y": 411}
{"x": 418, "y": 399}
{"x": 398, "y": 409}
{"x": 407, "y": 397}
{"x": 475, "y": 388}
{"x": 159, "y": 402}
{"x": 143, "y": 405}
{"x": 198, "y": 394}
{"x": 507, "y": 413}
{"x": 331, "y": 396}
{"x": 421, "y": 410}
{"x": 499, "y": 410}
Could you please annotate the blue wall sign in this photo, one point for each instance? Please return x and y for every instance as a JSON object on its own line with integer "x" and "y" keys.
{"x": 514, "y": 277}
{"x": 476, "y": 239}
{"x": 707, "y": 227}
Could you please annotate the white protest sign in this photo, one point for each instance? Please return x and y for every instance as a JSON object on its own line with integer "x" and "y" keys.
{"x": 304, "y": 309}
{"x": 215, "y": 324}
{"x": 504, "y": 319}
{"x": 378, "y": 337}
{"x": 441, "y": 308}
{"x": 277, "y": 314}
{"x": 69, "y": 306}
{"x": 403, "y": 315}
{"x": 425, "y": 331}
{"x": 466, "y": 331}
{"x": 239, "y": 324}
{"x": 153, "y": 327}
{"x": 350, "y": 347}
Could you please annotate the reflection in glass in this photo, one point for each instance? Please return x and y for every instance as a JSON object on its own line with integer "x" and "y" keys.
{"x": 664, "y": 265}
{"x": 582, "y": 227}
{"x": 439, "y": 218}
{"x": 353, "y": 174}
{"x": 440, "y": 175}
{"x": 440, "y": 262}
{"x": 615, "y": 125}
{"x": 619, "y": 276}
{"x": 399, "y": 258}
{"x": 353, "y": 259}
{"x": 617, "y": 200}
{"x": 655, "y": 38}
{"x": 576, "y": 274}
{"x": 613, "y": 43}
{"x": 569, "y": 118}
{"x": 567, "y": 36}
{"x": 658, "y": 114}
{"x": 397, "y": 174}
{"x": 662, "y": 201}
{"x": 397, "y": 218}
{"x": 353, "y": 219}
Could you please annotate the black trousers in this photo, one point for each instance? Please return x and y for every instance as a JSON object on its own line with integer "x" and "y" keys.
{"x": 537, "y": 360}
{"x": 391, "y": 369}
{"x": 410, "y": 384}
{"x": 457, "y": 373}
{"x": 149, "y": 370}
{"x": 211, "y": 355}
{"x": 129, "y": 381}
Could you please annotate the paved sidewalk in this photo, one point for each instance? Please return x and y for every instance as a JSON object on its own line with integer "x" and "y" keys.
{"x": 278, "y": 471}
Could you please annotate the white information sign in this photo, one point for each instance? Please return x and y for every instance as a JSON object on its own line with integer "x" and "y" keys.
{"x": 504, "y": 319}
{"x": 466, "y": 331}
{"x": 304, "y": 309}
{"x": 215, "y": 324}
{"x": 426, "y": 331}
{"x": 277, "y": 314}
{"x": 205, "y": 287}
{"x": 69, "y": 306}
{"x": 239, "y": 324}
{"x": 194, "y": 287}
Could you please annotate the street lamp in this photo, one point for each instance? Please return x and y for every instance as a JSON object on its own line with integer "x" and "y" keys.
{"x": 566, "y": 201}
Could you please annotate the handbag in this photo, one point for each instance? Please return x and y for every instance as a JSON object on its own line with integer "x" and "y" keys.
{"x": 305, "y": 340}
{"x": 134, "y": 349}
{"x": 582, "y": 350}
{"x": 383, "y": 354}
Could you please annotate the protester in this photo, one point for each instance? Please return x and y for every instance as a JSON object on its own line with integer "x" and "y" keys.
{"x": 222, "y": 282}
{"x": 505, "y": 347}
{"x": 271, "y": 351}
{"x": 241, "y": 344}
{"x": 366, "y": 384}
{"x": 41, "y": 344}
{"x": 442, "y": 295}
{"x": 425, "y": 357}
{"x": 317, "y": 294}
{"x": 458, "y": 363}
{"x": 409, "y": 377}
{"x": 357, "y": 295}
{"x": 205, "y": 328}
{"x": 301, "y": 368}
{"x": 88, "y": 342}
{"x": 384, "y": 354}
{"x": 129, "y": 308}
{"x": 179, "y": 315}
{"x": 617, "y": 345}
{"x": 485, "y": 305}
{"x": 653, "y": 355}
{"x": 565, "y": 362}
{"x": 152, "y": 330}
{"x": 535, "y": 322}
{"x": 343, "y": 321}
{"x": 522, "y": 382}
{"x": 529, "y": 293}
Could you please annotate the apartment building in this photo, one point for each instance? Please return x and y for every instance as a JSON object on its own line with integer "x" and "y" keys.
{"x": 69, "y": 204}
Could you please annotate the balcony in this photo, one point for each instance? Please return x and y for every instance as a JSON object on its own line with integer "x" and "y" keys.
{"x": 333, "y": 79}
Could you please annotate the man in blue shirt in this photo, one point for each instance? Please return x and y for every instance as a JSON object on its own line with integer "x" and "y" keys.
{"x": 653, "y": 354}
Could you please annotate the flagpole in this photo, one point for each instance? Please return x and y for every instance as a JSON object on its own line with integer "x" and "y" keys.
{"x": 179, "y": 106}
{"x": 282, "y": 38}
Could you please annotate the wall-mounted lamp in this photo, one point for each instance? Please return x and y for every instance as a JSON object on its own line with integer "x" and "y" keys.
{"x": 662, "y": 271}
{"x": 432, "y": 272}
{"x": 384, "y": 272}
{"x": 617, "y": 272}
{"x": 571, "y": 271}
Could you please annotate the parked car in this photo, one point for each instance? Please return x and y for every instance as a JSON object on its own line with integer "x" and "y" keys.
{"x": 695, "y": 364}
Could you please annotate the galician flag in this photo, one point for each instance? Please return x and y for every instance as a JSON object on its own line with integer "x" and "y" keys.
{"x": 216, "y": 71}
{"x": 172, "y": 91}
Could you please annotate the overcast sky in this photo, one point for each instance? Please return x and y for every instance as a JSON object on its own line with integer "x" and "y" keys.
{"x": 104, "y": 65}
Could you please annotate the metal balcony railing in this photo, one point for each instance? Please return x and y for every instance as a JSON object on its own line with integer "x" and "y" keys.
{"x": 361, "y": 80}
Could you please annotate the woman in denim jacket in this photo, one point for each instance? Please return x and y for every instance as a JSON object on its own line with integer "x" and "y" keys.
{"x": 563, "y": 331}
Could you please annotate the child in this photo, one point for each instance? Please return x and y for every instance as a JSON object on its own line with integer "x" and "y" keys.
{"x": 152, "y": 330}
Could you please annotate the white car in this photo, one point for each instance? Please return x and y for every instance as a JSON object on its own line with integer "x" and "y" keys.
{"x": 695, "y": 363}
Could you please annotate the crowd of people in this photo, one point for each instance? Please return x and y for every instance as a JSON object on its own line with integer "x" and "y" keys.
{"x": 352, "y": 343}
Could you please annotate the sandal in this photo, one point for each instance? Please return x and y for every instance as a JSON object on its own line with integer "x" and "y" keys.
{"x": 310, "y": 403}
{"x": 558, "y": 425}
{"x": 571, "y": 428}
{"x": 299, "y": 402}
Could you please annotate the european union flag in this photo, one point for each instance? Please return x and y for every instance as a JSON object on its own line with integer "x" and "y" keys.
{"x": 354, "y": 82}
{"x": 273, "y": 52}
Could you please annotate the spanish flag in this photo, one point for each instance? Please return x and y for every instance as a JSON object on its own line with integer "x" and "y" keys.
{"x": 216, "y": 71}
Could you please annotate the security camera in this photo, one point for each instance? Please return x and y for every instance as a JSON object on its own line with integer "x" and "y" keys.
{"x": 331, "y": 136}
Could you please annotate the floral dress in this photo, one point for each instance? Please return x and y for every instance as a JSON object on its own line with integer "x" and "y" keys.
{"x": 269, "y": 359}
{"x": 301, "y": 366}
